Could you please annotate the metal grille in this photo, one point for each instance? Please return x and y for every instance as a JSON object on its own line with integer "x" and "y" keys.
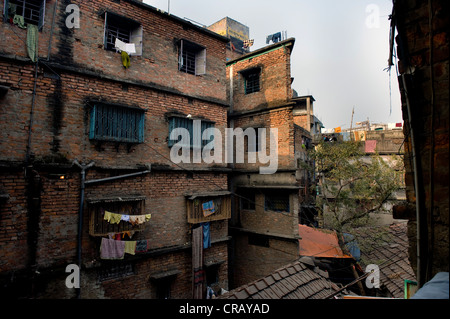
{"x": 115, "y": 123}
{"x": 114, "y": 32}
{"x": 187, "y": 61}
{"x": 179, "y": 122}
{"x": 114, "y": 271}
{"x": 252, "y": 83}
{"x": 277, "y": 202}
{"x": 29, "y": 9}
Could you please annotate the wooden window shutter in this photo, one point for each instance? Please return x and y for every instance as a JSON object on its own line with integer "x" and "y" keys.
{"x": 5, "y": 10}
{"x": 200, "y": 62}
{"x": 105, "y": 35}
{"x": 137, "y": 38}
{"x": 180, "y": 55}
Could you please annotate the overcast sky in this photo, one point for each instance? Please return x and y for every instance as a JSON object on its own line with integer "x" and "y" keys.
{"x": 340, "y": 52}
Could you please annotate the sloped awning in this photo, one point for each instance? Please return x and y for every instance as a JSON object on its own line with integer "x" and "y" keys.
{"x": 192, "y": 196}
{"x": 316, "y": 242}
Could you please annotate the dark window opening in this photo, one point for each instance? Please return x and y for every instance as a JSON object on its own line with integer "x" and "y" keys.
{"x": 277, "y": 201}
{"x": 191, "y": 58}
{"x": 124, "y": 29}
{"x": 32, "y": 11}
{"x": 212, "y": 275}
{"x": 252, "y": 80}
{"x": 163, "y": 288}
{"x": 247, "y": 199}
{"x": 258, "y": 240}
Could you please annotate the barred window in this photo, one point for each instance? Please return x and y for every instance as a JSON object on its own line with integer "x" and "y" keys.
{"x": 251, "y": 80}
{"x": 33, "y": 11}
{"x": 188, "y": 124}
{"x": 277, "y": 201}
{"x": 191, "y": 58}
{"x": 124, "y": 29}
{"x": 117, "y": 124}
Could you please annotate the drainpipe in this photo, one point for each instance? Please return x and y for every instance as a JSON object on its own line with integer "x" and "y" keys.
{"x": 80, "y": 218}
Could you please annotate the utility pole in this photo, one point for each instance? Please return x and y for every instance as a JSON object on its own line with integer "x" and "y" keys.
{"x": 351, "y": 124}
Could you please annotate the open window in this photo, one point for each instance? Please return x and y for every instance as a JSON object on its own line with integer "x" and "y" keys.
{"x": 191, "y": 58}
{"x": 32, "y": 11}
{"x": 123, "y": 29}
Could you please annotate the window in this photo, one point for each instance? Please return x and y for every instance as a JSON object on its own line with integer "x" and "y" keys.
{"x": 33, "y": 11}
{"x": 247, "y": 199}
{"x": 277, "y": 201}
{"x": 115, "y": 270}
{"x": 255, "y": 145}
{"x": 258, "y": 240}
{"x": 124, "y": 29}
{"x": 221, "y": 202}
{"x": 191, "y": 58}
{"x": 188, "y": 124}
{"x": 163, "y": 288}
{"x": 251, "y": 80}
{"x": 129, "y": 205}
{"x": 117, "y": 124}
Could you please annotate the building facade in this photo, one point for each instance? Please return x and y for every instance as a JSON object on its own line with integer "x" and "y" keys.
{"x": 87, "y": 177}
{"x": 266, "y": 209}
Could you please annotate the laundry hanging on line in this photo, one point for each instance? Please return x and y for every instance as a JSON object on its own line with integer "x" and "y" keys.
{"x": 114, "y": 249}
{"x": 114, "y": 218}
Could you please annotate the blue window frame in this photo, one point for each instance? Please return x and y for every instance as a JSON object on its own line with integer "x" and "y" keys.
{"x": 188, "y": 124}
{"x": 117, "y": 124}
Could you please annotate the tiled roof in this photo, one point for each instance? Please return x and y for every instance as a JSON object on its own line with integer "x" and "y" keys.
{"x": 387, "y": 247}
{"x": 294, "y": 281}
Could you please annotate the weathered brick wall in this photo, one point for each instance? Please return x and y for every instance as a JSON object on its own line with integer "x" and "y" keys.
{"x": 39, "y": 219}
{"x": 13, "y": 220}
{"x": 61, "y": 117}
{"x": 275, "y": 79}
{"x": 280, "y": 119}
{"x": 270, "y": 222}
{"x": 424, "y": 58}
{"x": 83, "y": 48}
{"x": 254, "y": 262}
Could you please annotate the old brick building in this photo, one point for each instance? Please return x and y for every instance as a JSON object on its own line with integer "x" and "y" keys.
{"x": 82, "y": 114}
{"x": 422, "y": 47}
{"x": 266, "y": 210}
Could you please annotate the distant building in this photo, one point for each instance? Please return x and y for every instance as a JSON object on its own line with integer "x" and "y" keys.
{"x": 238, "y": 33}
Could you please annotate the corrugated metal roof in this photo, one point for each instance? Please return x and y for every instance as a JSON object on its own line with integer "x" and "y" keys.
{"x": 316, "y": 242}
{"x": 294, "y": 281}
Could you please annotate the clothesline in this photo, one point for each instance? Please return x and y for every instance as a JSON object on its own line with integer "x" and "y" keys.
{"x": 115, "y": 218}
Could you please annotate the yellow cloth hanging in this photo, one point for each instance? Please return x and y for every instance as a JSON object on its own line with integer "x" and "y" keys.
{"x": 112, "y": 218}
{"x": 130, "y": 247}
{"x": 125, "y": 60}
